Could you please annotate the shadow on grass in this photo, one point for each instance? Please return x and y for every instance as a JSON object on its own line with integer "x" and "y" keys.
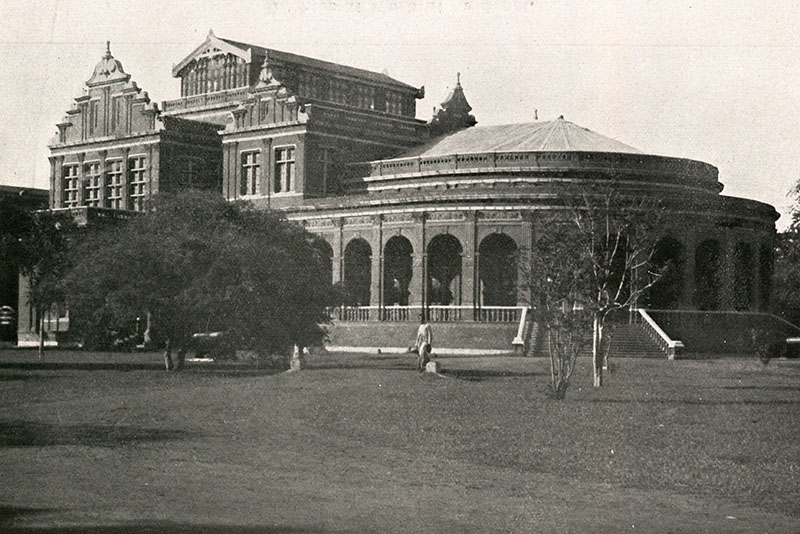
{"x": 477, "y": 375}
{"x": 222, "y": 369}
{"x": 37, "y": 434}
{"x": 696, "y": 402}
{"x": 162, "y": 527}
{"x": 15, "y": 377}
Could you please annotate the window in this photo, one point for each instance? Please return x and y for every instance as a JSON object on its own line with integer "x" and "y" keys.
{"x": 71, "y": 186}
{"x": 250, "y": 166}
{"x": 284, "y": 169}
{"x": 137, "y": 174}
{"x": 190, "y": 172}
{"x": 94, "y": 181}
{"x": 114, "y": 183}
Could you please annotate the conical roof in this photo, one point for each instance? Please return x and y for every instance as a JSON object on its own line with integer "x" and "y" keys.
{"x": 551, "y": 136}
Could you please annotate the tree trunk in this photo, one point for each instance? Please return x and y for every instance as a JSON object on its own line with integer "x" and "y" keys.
{"x": 597, "y": 364}
{"x": 295, "y": 364}
{"x": 41, "y": 336}
{"x": 604, "y": 348}
{"x": 167, "y": 356}
{"x": 146, "y": 337}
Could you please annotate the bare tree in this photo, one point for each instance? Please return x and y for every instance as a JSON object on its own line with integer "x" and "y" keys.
{"x": 616, "y": 237}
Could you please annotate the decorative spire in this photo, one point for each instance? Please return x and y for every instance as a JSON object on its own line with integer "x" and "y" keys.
{"x": 454, "y": 113}
{"x": 108, "y": 70}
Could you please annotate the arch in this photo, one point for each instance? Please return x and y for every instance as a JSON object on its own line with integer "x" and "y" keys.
{"x": 357, "y": 272}
{"x": 707, "y": 275}
{"x": 325, "y": 254}
{"x": 397, "y": 270}
{"x": 765, "y": 267}
{"x": 497, "y": 270}
{"x": 444, "y": 270}
{"x": 742, "y": 276}
{"x": 668, "y": 258}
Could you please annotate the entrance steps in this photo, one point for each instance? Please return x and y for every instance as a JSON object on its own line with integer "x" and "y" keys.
{"x": 627, "y": 341}
{"x": 448, "y": 338}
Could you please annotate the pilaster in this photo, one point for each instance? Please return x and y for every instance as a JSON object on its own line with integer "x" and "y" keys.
{"x": 469, "y": 265}
{"x": 81, "y": 180}
{"x": 727, "y": 268}
{"x": 416, "y": 286}
{"x": 376, "y": 270}
{"x": 126, "y": 180}
{"x": 59, "y": 178}
{"x": 103, "y": 178}
{"x": 338, "y": 255}
{"x": 687, "y": 291}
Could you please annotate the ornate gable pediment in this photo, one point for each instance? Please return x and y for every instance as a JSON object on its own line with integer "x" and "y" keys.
{"x": 212, "y": 46}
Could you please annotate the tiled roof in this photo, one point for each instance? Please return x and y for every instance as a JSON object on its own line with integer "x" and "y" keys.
{"x": 320, "y": 64}
{"x": 553, "y": 136}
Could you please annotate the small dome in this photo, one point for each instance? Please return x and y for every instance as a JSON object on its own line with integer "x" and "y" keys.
{"x": 554, "y": 136}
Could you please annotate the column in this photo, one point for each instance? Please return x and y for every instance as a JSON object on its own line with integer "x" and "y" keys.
{"x": 338, "y": 256}
{"x": 416, "y": 286}
{"x": 727, "y": 269}
{"x": 524, "y": 261}
{"x": 469, "y": 274}
{"x": 376, "y": 271}
{"x": 52, "y": 182}
{"x": 687, "y": 291}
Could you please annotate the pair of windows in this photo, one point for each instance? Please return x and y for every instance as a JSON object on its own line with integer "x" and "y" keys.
{"x": 113, "y": 183}
{"x": 284, "y": 175}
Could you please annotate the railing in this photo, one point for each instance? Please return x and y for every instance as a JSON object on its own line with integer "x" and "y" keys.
{"x": 519, "y": 339}
{"x": 434, "y": 313}
{"x": 669, "y": 346}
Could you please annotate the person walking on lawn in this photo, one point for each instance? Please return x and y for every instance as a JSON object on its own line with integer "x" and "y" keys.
{"x": 423, "y": 344}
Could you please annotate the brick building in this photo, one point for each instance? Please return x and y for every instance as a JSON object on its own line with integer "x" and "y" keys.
{"x": 417, "y": 215}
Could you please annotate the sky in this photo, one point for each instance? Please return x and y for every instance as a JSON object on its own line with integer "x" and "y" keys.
{"x": 716, "y": 81}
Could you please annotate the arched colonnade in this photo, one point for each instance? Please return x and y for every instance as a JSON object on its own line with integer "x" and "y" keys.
{"x": 467, "y": 259}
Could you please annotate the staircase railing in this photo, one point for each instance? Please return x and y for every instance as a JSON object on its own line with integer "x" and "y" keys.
{"x": 668, "y": 345}
{"x": 519, "y": 339}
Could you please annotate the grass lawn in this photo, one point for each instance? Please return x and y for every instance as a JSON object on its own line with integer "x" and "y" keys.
{"x": 362, "y": 443}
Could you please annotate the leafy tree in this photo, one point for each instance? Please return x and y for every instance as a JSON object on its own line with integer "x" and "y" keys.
{"x": 557, "y": 277}
{"x": 196, "y": 263}
{"x": 36, "y": 244}
{"x": 786, "y": 277}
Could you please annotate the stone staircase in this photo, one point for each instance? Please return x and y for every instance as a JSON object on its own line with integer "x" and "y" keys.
{"x": 627, "y": 341}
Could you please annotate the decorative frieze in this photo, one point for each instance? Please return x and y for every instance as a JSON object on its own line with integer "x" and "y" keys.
{"x": 366, "y": 220}
{"x": 439, "y": 216}
{"x": 500, "y": 215}
{"x": 319, "y": 223}
{"x": 398, "y": 218}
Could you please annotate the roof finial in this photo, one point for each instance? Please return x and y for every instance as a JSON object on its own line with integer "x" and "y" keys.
{"x": 458, "y": 78}
{"x": 108, "y": 48}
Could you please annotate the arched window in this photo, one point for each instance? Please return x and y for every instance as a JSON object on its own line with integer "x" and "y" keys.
{"x": 357, "y": 272}
{"x": 497, "y": 268}
{"x": 707, "y": 275}
{"x": 668, "y": 260}
{"x": 743, "y": 276}
{"x": 444, "y": 270}
{"x": 397, "y": 271}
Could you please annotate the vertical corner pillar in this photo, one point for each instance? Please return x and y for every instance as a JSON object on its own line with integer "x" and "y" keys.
{"x": 59, "y": 182}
